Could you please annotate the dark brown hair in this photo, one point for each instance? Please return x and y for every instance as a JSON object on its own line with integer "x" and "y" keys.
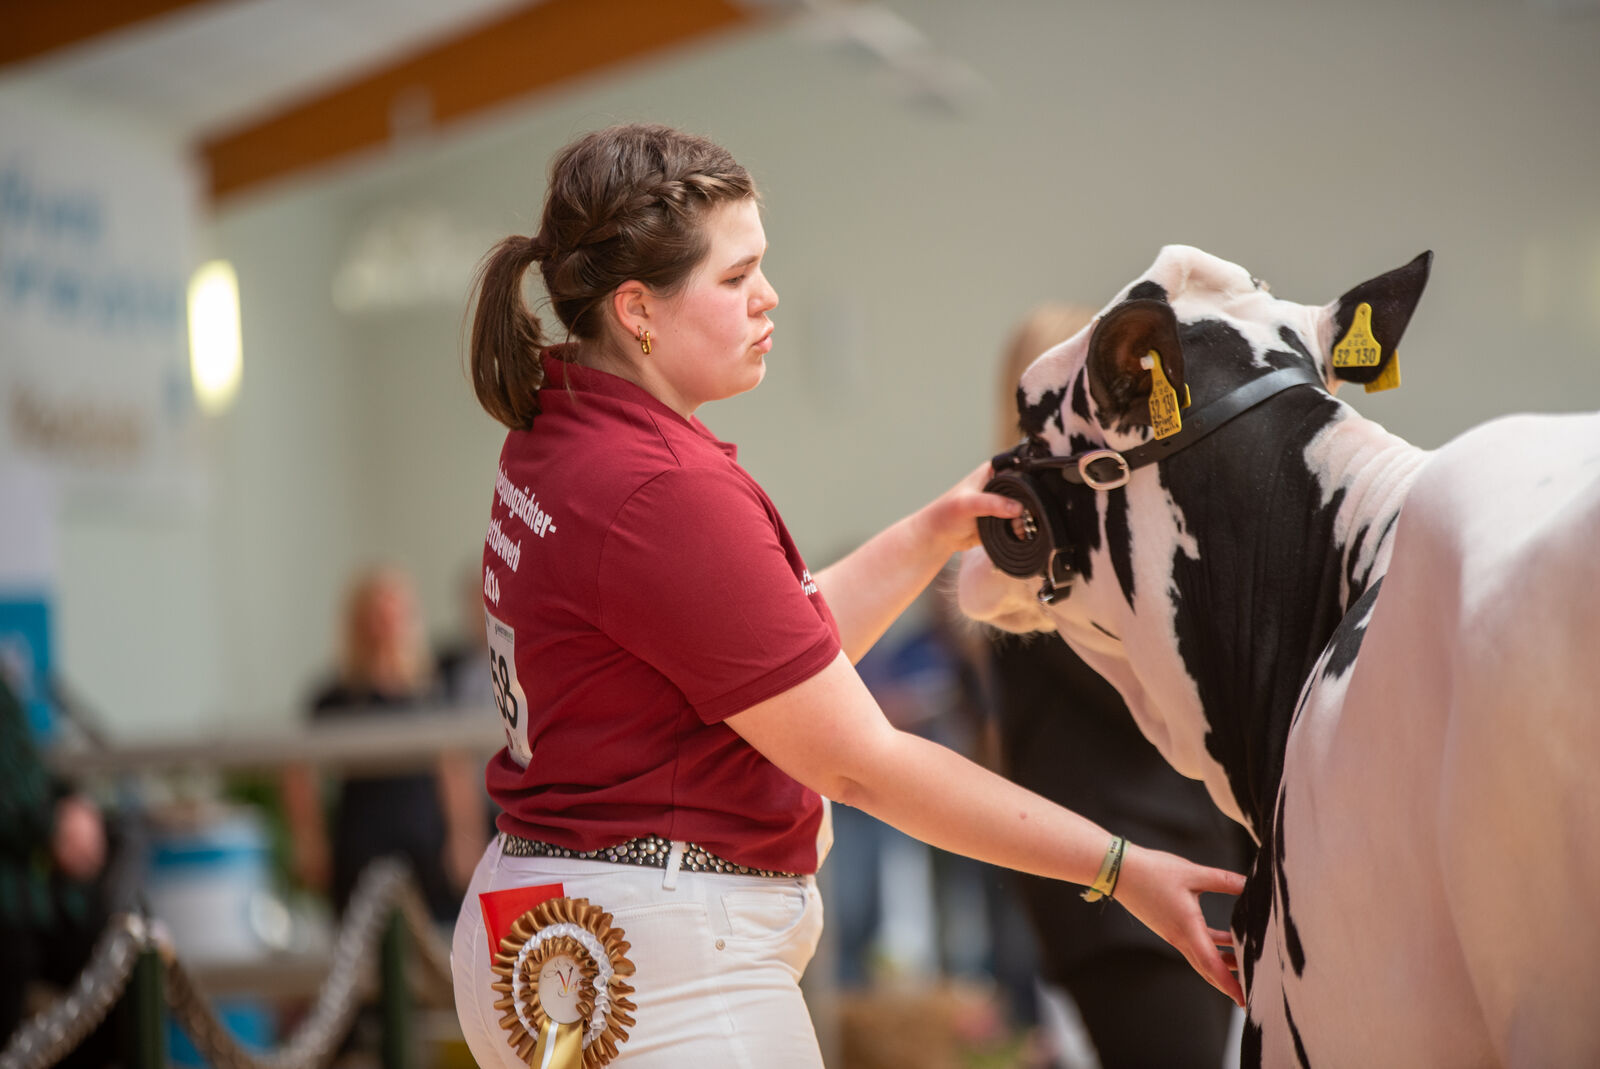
{"x": 624, "y": 204}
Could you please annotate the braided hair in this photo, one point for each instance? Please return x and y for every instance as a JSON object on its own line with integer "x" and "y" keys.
{"x": 626, "y": 203}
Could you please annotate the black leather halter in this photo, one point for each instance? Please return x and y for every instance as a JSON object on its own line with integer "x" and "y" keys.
{"x": 1016, "y": 546}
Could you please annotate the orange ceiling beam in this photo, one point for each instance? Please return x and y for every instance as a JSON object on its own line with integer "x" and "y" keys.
{"x": 32, "y": 28}
{"x": 542, "y": 45}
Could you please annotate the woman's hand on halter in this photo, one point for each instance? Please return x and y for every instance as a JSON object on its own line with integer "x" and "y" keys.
{"x": 951, "y": 519}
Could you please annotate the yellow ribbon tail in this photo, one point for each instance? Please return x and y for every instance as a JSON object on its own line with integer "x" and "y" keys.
{"x": 560, "y": 1046}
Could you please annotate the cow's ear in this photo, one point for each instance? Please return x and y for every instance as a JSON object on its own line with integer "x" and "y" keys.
{"x": 1369, "y": 320}
{"x": 1119, "y": 377}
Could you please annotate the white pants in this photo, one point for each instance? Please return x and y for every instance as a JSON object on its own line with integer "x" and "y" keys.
{"x": 718, "y": 962}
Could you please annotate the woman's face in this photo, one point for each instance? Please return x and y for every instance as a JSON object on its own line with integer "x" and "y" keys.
{"x": 710, "y": 340}
{"x": 386, "y": 614}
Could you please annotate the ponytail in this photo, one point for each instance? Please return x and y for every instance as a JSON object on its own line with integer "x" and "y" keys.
{"x": 506, "y": 358}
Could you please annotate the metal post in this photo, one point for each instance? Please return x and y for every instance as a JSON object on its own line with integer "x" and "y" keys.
{"x": 398, "y": 1048}
{"x": 147, "y": 1046}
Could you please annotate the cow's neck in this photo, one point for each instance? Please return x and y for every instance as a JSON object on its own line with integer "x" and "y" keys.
{"x": 1294, "y": 518}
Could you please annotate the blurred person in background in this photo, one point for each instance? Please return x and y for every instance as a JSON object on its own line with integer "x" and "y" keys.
{"x": 52, "y": 852}
{"x": 1065, "y": 733}
{"x": 433, "y": 818}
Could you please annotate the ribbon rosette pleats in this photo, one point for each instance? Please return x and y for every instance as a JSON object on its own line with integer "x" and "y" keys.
{"x": 560, "y": 975}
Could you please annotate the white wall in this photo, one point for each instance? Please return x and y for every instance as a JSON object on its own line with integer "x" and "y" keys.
{"x": 290, "y": 488}
{"x": 1317, "y": 144}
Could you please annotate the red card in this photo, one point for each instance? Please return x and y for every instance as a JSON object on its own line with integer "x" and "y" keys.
{"x": 502, "y": 908}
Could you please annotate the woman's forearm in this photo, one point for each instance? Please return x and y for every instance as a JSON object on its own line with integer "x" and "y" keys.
{"x": 870, "y": 588}
{"x": 934, "y": 794}
{"x": 829, "y": 734}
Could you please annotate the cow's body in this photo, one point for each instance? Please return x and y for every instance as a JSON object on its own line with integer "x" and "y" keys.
{"x": 1429, "y": 813}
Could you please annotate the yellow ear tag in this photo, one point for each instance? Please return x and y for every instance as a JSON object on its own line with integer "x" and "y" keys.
{"x": 1164, "y": 418}
{"x": 1358, "y": 347}
{"x": 1389, "y": 377}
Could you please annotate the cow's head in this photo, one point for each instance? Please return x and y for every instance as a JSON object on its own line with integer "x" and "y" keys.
{"x": 1130, "y": 575}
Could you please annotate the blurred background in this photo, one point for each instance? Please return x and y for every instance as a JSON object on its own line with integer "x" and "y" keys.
{"x": 236, "y": 240}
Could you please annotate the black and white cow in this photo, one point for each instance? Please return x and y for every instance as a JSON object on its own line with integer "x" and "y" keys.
{"x": 1384, "y": 662}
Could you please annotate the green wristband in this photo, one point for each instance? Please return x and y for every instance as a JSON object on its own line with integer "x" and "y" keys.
{"x": 1110, "y": 868}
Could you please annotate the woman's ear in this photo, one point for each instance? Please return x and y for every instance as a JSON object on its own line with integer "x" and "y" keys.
{"x": 630, "y": 304}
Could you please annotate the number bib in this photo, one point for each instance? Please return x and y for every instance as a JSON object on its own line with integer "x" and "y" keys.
{"x": 508, "y": 696}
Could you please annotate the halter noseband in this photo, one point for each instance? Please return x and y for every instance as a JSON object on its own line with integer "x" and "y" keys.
{"x": 1015, "y": 546}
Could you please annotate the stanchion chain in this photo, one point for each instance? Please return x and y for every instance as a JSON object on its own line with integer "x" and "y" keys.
{"x": 384, "y": 885}
{"x": 314, "y": 1042}
{"x": 433, "y": 953}
{"x": 51, "y": 1034}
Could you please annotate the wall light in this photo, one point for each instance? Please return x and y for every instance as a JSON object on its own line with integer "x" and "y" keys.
{"x": 215, "y": 360}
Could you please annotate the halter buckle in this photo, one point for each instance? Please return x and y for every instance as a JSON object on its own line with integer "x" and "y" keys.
{"x": 1058, "y": 577}
{"x": 1088, "y": 460}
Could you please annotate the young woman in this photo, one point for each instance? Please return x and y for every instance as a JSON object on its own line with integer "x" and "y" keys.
{"x": 434, "y": 819}
{"x": 676, "y": 686}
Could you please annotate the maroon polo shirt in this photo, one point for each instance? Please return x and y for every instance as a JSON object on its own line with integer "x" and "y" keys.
{"x": 641, "y": 588}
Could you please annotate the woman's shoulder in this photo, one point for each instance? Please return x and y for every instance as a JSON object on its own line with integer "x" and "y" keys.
{"x": 705, "y": 488}
{"x": 608, "y": 433}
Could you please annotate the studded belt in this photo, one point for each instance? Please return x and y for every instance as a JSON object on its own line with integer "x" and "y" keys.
{"x": 650, "y": 850}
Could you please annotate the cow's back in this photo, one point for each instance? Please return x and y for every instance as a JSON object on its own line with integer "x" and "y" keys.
{"x": 1438, "y": 792}
{"x": 1520, "y": 808}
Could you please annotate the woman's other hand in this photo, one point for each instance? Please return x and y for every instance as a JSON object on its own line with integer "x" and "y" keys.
{"x": 1163, "y": 890}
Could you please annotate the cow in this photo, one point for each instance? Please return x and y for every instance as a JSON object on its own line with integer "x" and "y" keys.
{"x": 1382, "y": 661}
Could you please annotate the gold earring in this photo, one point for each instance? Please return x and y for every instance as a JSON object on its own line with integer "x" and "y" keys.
{"x": 644, "y": 341}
